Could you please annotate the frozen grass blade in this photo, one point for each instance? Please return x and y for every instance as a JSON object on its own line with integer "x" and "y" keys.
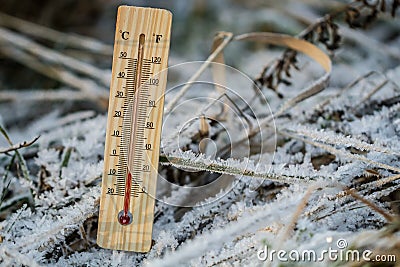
{"x": 231, "y": 167}
{"x": 331, "y": 138}
{"x": 342, "y": 153}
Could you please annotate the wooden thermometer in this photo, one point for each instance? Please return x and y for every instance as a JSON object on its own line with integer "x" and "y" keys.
{"x": 134, "y": 123}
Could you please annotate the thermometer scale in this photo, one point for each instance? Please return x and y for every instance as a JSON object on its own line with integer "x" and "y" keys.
{"x": 134, "y": 128}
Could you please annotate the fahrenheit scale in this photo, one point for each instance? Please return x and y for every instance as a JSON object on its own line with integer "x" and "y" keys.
{"x": 134, "y": 128}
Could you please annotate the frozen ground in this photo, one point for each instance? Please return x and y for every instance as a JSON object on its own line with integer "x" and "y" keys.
{"x": 324, "y": 175}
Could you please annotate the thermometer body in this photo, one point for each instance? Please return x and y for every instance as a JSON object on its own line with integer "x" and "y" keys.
{"x": 134, "y": 124}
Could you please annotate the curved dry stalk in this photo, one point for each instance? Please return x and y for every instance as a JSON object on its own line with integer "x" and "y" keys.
{"x": 298, "y": 45}
{"x": 325, "y": 31}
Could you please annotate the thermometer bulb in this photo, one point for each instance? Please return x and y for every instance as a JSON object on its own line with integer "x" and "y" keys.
{"x": 125, "y": 218}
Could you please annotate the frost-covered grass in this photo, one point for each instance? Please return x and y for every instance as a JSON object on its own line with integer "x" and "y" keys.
{"x": 324, "y": 171}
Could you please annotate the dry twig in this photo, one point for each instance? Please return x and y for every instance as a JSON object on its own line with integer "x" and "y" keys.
{"x": 20, "y": 145}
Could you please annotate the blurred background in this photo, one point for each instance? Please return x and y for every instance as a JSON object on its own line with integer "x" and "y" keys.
{"x": 33, "y": 83}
